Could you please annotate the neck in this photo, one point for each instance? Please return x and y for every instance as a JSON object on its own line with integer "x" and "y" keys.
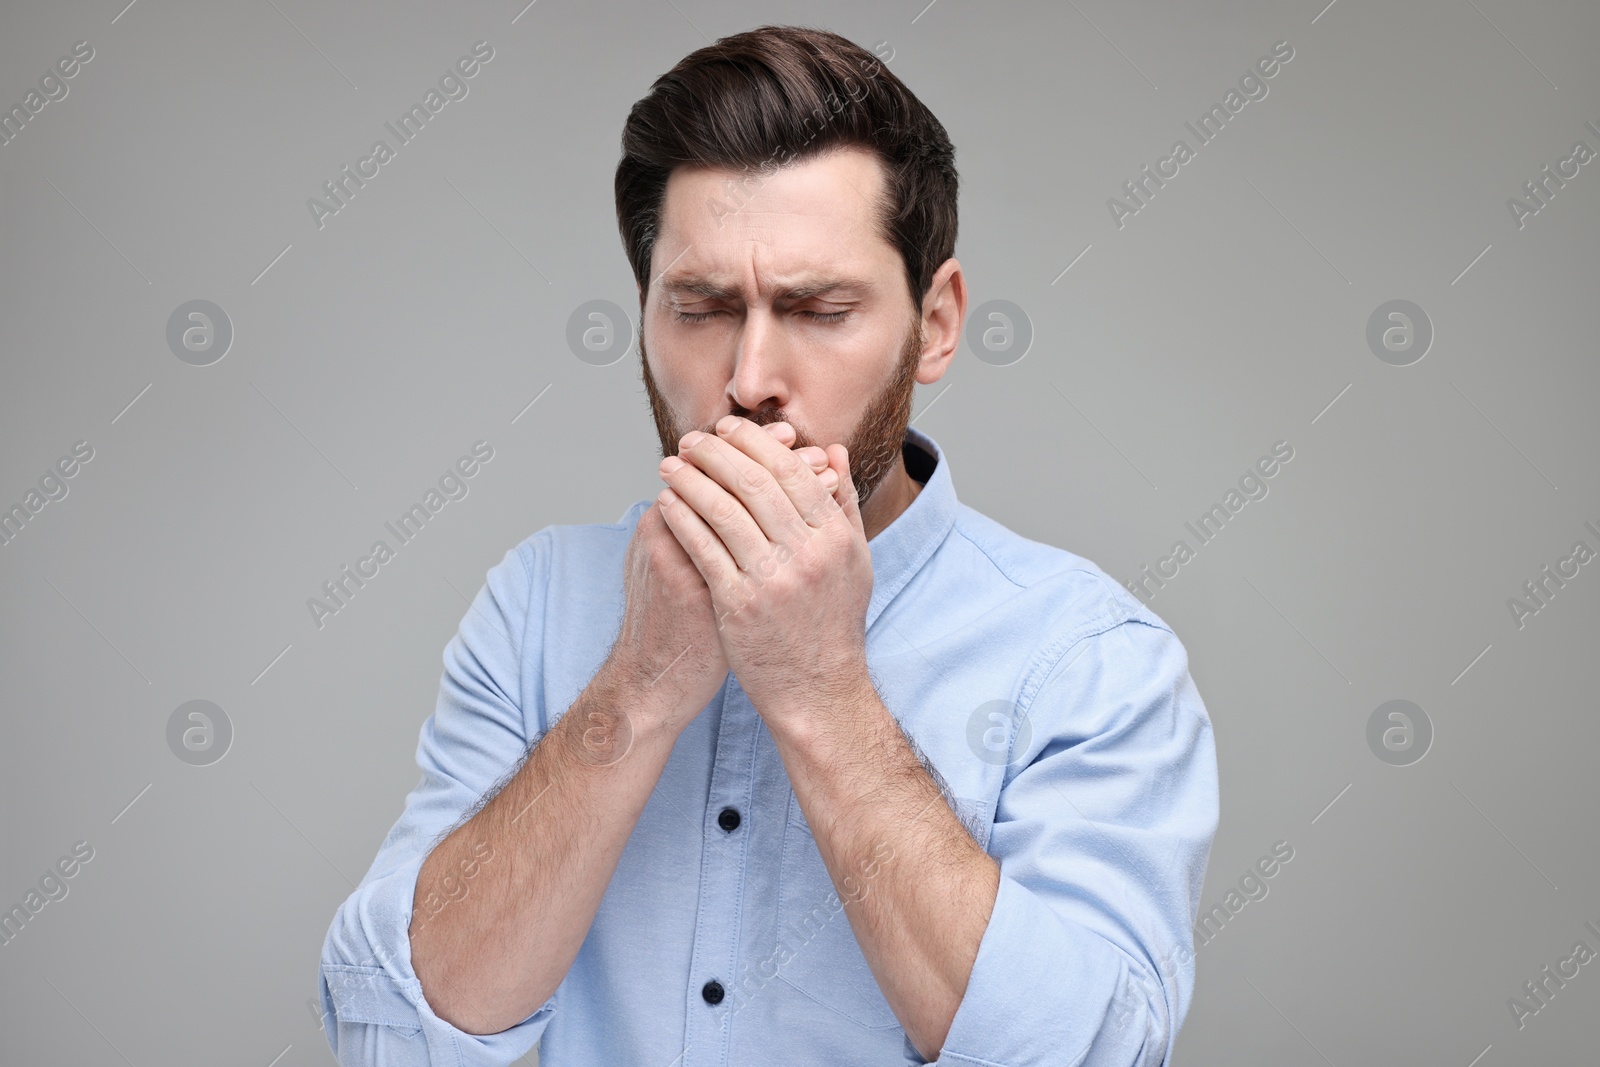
{"x": 893, "y": 495}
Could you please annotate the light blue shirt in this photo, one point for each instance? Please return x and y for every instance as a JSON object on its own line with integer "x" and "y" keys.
{"x": 1057, "y": 708}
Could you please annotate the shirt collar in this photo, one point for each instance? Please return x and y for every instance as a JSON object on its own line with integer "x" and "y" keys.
{"x": 900, "y": 549}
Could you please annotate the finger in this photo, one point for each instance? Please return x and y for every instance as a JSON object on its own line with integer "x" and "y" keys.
{"x": 745, "y": 546}
{"x": 784, "y": 433}
{"x": 676, "y": 550}
{"x": 781, "y": 492}
{"x": 845, "y": 493}
{"x": 723, "y": 514}
{"x": 750, "y": 483}
{"x": 702, "y": 545}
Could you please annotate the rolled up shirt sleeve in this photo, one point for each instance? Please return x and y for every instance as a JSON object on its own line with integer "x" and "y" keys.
{"x": 1102, "y": 830}
{"x": 373, "y": 1008}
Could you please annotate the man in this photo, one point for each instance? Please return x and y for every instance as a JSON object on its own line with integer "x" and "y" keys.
{"x": 826, "y": 767}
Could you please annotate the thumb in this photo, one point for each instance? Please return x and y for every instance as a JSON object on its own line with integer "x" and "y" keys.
{"x": 844, "y": 494}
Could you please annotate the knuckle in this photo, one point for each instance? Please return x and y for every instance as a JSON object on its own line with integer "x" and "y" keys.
{"x": 754, "y": 479}
{"x": 811, "y": 562}
{"x": 775, "y": 499}
{"x": 791, "y": 471}
{"x": 702, "y": 543}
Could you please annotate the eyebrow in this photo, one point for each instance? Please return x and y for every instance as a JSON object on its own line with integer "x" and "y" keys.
{"x": 709, "y": 289}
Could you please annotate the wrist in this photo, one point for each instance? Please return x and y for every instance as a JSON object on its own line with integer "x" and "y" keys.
{"x": 650, "y": 712}
{"x": 811, "y": 718}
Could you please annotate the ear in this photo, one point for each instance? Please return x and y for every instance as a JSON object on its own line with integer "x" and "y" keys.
{"x": 944, "y": 312}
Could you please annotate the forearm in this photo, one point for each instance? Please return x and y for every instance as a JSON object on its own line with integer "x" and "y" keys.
{"x": 503, "y": 904}
{"x": 917, "y": 889}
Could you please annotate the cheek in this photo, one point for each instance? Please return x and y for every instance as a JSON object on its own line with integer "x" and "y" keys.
{"x": 828, "y": 403}
{"x": 682, "y": 375}
{"x": 823, "y": 407}
{"x": 699, "y": 398}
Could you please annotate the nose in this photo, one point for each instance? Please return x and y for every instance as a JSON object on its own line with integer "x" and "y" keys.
{"x": 760, "y": 364}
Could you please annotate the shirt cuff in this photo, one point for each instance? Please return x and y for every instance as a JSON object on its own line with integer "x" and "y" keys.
{"x": 1045, "y": 990}
{"x": 373, "y": 1007}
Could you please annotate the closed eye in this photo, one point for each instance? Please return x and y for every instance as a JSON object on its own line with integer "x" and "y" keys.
{"x": 817, "y": 316}
{"x": 692, "y": 316}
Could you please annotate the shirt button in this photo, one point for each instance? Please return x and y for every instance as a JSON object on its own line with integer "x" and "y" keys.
{"x": 712, "y": 991}
{"x": 729, "y": 819}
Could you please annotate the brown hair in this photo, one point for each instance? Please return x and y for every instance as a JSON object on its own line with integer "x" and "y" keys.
{"x": 778, "y": 95}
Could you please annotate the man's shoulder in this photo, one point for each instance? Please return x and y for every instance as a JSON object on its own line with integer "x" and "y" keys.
{"x": 1069, "y": 590}
{"x": 579, "y": 543}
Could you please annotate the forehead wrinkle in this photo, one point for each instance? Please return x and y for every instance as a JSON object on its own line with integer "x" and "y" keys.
{"x": 799, "y": 286}
{"x": 805, "y": 283}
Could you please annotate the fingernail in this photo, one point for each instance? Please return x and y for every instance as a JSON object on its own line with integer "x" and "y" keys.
{"x": 670, "y": 464}
{"x": 690, "y": 439}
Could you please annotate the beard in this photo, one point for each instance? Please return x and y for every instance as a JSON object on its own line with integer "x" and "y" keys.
{"x": 874, "y": 444}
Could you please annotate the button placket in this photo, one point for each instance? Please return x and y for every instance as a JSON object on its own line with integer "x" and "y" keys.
{"x": 724, "y": 857}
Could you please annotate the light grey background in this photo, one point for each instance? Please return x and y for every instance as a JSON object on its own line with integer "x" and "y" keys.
{"x": 368, "y": 355}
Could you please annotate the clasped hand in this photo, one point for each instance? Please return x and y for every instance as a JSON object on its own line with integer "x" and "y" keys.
{"x": 783, "y": 551}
